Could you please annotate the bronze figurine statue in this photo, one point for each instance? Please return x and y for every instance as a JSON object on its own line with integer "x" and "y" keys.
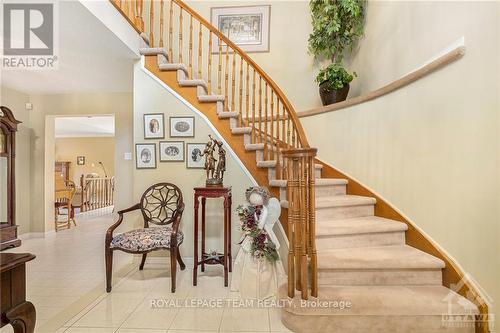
{"x": 215, "y": 174}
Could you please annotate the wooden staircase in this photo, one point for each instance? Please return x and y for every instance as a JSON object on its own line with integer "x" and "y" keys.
{"x": 340, "y": 246}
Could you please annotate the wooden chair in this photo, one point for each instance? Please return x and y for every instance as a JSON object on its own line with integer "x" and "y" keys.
{"x": 64, "y": 198}
{"x": 162, "y": 205}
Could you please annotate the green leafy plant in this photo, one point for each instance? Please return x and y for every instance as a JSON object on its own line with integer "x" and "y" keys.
{"x": 335, "y": 77}
{"x": 337, "y": 25}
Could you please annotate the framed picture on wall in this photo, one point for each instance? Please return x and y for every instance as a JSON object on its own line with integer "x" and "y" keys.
{"x": 246, "y": 26}
{"x": 80, "y": 160}
{"x": 171, "y": 151}
{"x": 145, "y": 155}
{"x": 182, "y": 127}
{"x": 194, "y": 157}
{"x": 154, "y": 126}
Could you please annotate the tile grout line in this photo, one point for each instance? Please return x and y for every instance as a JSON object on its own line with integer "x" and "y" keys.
{"x": 100, "y": 298}
{"x": 133, "y": 271}
{"x": 269, "y": 320}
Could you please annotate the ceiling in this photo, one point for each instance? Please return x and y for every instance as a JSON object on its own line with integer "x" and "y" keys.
{"x": 91, "y": 58}
{"x": 87, "y": 126}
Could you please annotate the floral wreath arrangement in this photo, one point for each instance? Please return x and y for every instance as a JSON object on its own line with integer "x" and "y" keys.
{"x": 262, "y": 247}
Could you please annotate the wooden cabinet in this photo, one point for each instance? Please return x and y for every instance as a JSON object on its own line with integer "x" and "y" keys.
{"x": 16, "y": 311}
{"x": 8, "y": 228}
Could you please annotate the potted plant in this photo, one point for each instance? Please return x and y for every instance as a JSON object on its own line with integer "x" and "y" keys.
{"x": 334, "y": 83}
{"x": 337, "y": 25}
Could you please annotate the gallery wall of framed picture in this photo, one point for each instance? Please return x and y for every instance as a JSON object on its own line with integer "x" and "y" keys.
{"x": 145, "y": 155}
{"x": 194, "y": 152}
{"x": 182, "y": 127}
{"x": 168, "y": 150}
{"x": 172, "y": 151}
{"x": 154, "y": 126}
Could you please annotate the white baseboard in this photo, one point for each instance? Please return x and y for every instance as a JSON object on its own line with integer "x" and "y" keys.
{"x": 30, "y": 235}
{"x": 97, "y": 212}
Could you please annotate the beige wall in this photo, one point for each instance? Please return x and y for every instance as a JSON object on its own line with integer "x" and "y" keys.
{"x": 288, "y": 62}
{"x": 95, "y": 150}
{"x": 150, "y": 97}
{"x": 432, "y": 148}
{"x": 400, "y": 36}
{"x": 15, "y": 101}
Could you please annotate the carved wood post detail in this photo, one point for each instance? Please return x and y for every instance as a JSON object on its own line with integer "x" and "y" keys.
{"x": 302, "y": 261}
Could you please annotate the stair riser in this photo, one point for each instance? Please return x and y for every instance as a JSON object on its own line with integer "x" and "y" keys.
{"x": 271, "y": 173}
{"x": 161, "y": 59}
{"x": 247, "y": 138}
{"x": 233, "y": 122}
{"x": 220, "y": 106}
{"x": 200, "y": 90}
{"x": 359, "y": 240}
{"x": 362, "y": 277}
{"x": 344, "y": 212}
{"x": 368, "y": 323}
{"x": 181, "y": 75}
{"x": 282, "y": 193}
{"x": 325, "y": 191}
{"x": 259, "y": 155}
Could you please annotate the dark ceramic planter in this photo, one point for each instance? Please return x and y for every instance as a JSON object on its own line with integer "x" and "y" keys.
{"x": 335, "y": 96}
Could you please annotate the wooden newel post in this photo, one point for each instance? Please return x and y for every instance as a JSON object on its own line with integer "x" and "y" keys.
{"x": 302, "y": 258}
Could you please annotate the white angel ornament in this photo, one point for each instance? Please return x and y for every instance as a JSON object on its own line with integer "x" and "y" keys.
{"x": 258, "y": 271}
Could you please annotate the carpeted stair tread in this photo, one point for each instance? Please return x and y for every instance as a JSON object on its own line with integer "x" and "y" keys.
{"x": 228, "y": 114}
{"x": 339, "y": 201}
{"x": 150, "y": 51}
{"x": 386, "y": 301}
{"x": 359, "y": 225}
{"x": 173, "y": 67}
{"x": 254, "y": 146}
{"x": 380, "y": 257}
{"x": 344, "y": 201}
{"x": 192, "y": 83}
{"x": 241, "y": 130}
{"x": 210, "y": 98}
{"x": 266, "y": 164}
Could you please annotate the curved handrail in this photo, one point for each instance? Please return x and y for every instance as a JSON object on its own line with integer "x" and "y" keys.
{"x": 446, "y": 59}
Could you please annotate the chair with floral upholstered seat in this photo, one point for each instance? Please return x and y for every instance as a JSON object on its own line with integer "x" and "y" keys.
{"x": 161, "y": 205}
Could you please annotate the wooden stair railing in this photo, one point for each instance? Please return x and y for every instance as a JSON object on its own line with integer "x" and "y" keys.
{"x": 230, "y": 75}
{"x": 96, "y": 192}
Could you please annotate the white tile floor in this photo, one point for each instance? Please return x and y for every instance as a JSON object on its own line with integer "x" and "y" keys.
{"x": 66, "y": 285}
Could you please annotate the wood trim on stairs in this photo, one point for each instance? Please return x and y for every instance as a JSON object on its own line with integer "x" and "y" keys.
{"x": 452, "y": 274}
{"x": 416, "y": 75}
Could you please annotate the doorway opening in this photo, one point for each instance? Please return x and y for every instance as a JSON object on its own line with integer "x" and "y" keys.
{"x": 84, "y": 167}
